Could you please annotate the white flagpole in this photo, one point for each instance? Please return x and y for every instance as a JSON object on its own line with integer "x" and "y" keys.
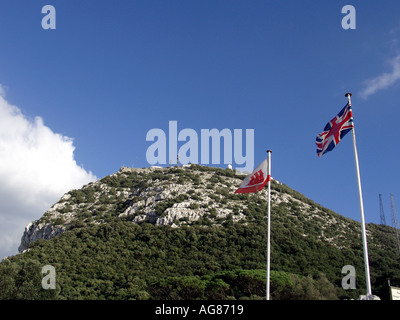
{"x": 269, "y": 226}
{"x": 364, "y": 236}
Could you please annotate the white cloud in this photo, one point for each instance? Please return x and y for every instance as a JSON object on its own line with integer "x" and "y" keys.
{"x": 37, "y": 167}
{"x": 384, "y": 80}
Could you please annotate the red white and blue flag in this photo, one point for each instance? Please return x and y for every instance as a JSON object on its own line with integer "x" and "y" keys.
{"x": 256, "y": 180}
{"x": 335, "y": 130}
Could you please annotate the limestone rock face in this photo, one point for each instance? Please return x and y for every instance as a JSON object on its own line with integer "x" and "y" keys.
{"x": 35, "y": 230}
{"x": 172, "y": 196}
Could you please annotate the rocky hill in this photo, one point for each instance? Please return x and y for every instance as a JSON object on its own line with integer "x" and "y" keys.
{"x": 172, "y": 196}
{"x": 175, "y": 197}
{"x": 184, "y": 227}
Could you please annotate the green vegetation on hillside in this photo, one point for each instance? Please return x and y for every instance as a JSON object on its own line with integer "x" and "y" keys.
{"x": 127, "y": 261}
{"x": 104, "y": 256}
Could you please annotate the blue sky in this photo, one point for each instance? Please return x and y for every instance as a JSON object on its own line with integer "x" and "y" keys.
{"x": 113, "y": 70}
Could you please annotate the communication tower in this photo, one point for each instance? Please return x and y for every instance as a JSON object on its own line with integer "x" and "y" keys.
{"x": 382, "y": 213}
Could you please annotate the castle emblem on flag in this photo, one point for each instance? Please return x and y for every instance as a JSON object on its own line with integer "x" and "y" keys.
{"x": 256, "y": 180}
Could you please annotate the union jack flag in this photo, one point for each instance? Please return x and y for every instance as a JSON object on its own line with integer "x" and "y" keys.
{"x": 335, "y": 130}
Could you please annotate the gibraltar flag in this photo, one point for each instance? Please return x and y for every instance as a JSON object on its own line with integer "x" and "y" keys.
{"x": 256, "y": 180}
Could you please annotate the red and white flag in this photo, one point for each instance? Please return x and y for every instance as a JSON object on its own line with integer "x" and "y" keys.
{"x": 256, "y": 180}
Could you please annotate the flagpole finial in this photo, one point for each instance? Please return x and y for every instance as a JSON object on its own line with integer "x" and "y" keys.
{"x": 269, "y": 151}
{"x": 348, "y": 95}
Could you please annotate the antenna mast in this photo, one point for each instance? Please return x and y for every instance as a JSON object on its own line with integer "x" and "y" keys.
{"x": 382, "y": 213}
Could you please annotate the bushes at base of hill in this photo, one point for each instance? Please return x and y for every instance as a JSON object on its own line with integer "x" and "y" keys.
{"x": 244, "y": 284}
{"x": 122, "y": 260}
